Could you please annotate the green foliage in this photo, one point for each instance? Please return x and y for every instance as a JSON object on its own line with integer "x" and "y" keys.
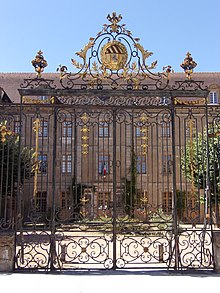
{"x": 9, "y": 164}
{"x": 180, "y": 203}
{"x": 131, "y": 186}
{"x": 195, "y": 159}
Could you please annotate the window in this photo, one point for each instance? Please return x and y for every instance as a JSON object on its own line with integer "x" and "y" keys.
{"x": 141, "y": 130}
{"x": 167, "y": 202}
{"x": 43, "y": 131}
{"x": 103, "y": 167}
{"x": 42, "y": 164}
{"x": 213, "y": 98}
{"x": 138, "y": 131}
{"x": 167, "y": 164}
{"x": 43, "y": 98}
{"x": 191, "y": 201}
{"x": 67, "y": 129}
{"x": 17, "y": 127}
{"x": 103, "y": 200}
{"x": 66, "y": 164}
{"x": 141, "y": 164}
{"x": 41, "y": 202}
{"x": 65, "y": 200}
{"x": 165, "y": 129}
{"x": 164, "y": 101}
{"x": 103, "y": 129}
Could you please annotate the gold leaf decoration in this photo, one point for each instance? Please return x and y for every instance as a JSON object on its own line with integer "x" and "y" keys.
{"x": 153, "y": 65}
{"x": 95, "y": 66}
{"x": 77, "y": 64}
{"x": 145, "y": 53}
{"x": 83, "y": 52}
{"x": 134, "y": 66}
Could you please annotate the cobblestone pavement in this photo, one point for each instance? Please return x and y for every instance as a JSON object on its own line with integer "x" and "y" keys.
{"x": 109, "y": 282}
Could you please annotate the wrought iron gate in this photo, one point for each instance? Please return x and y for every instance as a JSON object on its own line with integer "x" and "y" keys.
{"x": 110, "y": 175}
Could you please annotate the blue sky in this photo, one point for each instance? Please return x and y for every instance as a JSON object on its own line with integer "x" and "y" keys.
{"x": 169, "y": 28}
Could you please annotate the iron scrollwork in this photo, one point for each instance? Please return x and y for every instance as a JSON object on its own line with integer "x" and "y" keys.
{"x": 112, "y": 60}
{"x": 110, "y": 101}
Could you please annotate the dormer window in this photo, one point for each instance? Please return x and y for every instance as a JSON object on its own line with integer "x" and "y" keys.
{"x": 213, "y": 98}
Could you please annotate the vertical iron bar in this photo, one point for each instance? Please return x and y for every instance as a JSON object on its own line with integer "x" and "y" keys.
{"x": 74, "y": 184}
{"x": 175, "y": 228}
{"x": 114, "y": 191}
{"x": 19, "y": 216}
{"x": 52, "y": 244}
{"x": 133, "y": 176}
{"x": 208, "y": 191}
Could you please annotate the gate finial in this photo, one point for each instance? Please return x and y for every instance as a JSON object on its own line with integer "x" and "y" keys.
{"x": 114, "y": 19}
{"x": 188, "y": 65}
{"x": 39, "y": 63}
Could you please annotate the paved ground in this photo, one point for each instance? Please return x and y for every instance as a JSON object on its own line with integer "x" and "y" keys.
{"x": 114, "y": 282}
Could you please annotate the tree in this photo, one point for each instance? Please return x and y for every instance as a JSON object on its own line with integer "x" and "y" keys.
{"x": 10, "y": 151}
{"x": 201, "y": 163}
{"x": 131, "y": 186}
{"x": 195, "y": 161}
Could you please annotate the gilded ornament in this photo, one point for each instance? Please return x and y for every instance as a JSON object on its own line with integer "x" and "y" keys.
{"x": 39, "y": 63}
{"x": 83, "y": 52}
{"x": 114, "y": 19}
{"x": 114, "y": 55}
{"x": 4, "y": 132}
{"x": 145, "y": 53}
{"x": 188, "y": 65}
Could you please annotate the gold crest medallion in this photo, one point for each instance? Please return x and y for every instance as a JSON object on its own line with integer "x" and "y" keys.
{"x": 114, "y": 55}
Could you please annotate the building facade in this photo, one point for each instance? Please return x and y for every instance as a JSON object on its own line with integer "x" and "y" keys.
{"x": 83, "y": 141}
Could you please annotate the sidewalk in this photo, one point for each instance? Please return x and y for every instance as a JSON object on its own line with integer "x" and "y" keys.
{"x": 110, "y": 282}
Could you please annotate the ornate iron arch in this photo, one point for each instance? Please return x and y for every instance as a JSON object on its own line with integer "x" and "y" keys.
{"x": 114, "y": 60}
{"x": 114, "y": 63}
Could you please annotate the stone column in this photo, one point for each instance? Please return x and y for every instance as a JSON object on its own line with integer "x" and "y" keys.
{"x": 7, "y": 247}
{"x": 216, "y": 246}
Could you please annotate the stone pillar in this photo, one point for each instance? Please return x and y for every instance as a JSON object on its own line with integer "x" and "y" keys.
{"x": 7, "y": 242}
{"x": 216, "y": 246}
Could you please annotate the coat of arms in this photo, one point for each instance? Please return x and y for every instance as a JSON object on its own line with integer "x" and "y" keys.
{"x": 114, "y": 55}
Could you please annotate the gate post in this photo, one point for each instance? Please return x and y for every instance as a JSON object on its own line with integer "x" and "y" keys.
{"x": 175, "y": 224}
{"x": 52, "y": 237}
{"x": 216, "y": 251}
{"x": 114, "y": 214}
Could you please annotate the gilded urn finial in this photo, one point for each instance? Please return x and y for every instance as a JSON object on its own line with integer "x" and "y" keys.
{"x": 39, "y": 63}
{"x": 188, "y": 65}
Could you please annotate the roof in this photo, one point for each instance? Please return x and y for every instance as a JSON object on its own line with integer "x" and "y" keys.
{"x": 4, "y": 98}
{"x": 11, "y": 82}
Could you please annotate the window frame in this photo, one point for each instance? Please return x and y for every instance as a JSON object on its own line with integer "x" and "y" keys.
{"x": 213, "y": 95}
{"x": 167, "y": 164}
{"x": 104, "y": 158}
{"x": 167, "y": 202}
{"x": 166, "y": 129}
{"x": 43, "y": 131}
{"x": 67, "y": 129}
{"x": 41, "y": 201}
{"x": 66, "y": 164}
{"x": 103, "y": 129}
{"x": 141, "y": 164}
{"x": 41, "y": 163}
